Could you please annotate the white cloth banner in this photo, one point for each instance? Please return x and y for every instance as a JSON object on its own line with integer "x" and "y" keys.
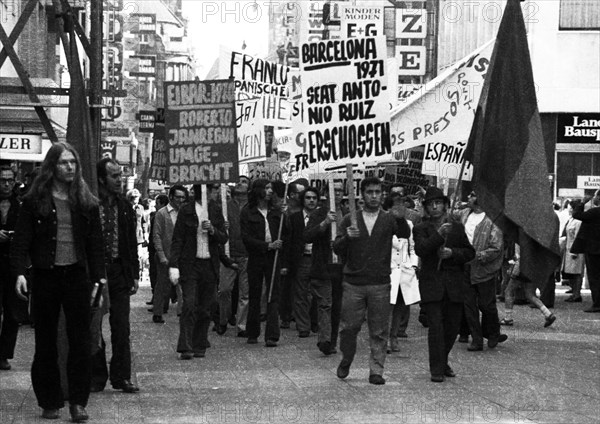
{"x": 444, "y": 109}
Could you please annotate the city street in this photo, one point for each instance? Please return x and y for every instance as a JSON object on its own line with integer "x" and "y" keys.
{"x": 539, "y": 375}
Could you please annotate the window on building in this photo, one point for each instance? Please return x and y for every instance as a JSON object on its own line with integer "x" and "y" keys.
{"x": 579, "y": 15}
{"x": 145, "y": 38}
{"x": 571, "y": 164}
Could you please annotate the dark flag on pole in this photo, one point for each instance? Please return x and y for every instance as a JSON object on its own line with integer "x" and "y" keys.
{"x": 508, "y": 154}
{"x": 79, "y": 123}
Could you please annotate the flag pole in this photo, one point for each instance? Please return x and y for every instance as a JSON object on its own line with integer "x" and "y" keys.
{"x": 460, "y": 177}
{"x": 224, "y": 208}
{"x": 351, "y": 197}
{"x": 334, "y": 258}
{"x": 285, "y": 192}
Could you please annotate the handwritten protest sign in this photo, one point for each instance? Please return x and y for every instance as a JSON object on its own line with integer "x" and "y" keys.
{"x": 200, "y": 126}
{"x": 443, "y": 110}
{"x": 409, "y": 173}
{"x": 250, "y": 132}
{"x": 445, "y": 159}
{"x": 260, "y": 81}
{"x": 345, "y": 102}
{"x": 158, "y": 168}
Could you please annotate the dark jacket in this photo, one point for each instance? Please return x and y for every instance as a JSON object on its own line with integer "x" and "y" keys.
{"x": 128, "y": 253}
{"x": 296, "y": 240}
{"x": 588, "y": 237}
{"x": 450, "y": 278}
{"x": 35, "y": 238}
{"x": 11, "y": 222}
{"x": 253, "y": 232}
{"x": 320, "y": 236}
{"x": 183, "y": 246}
{"x": 236, "y": 245}
{"x": 368, "y": 258}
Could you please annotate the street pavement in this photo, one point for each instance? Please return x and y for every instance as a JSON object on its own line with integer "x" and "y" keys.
{"x": 540, "y": 375}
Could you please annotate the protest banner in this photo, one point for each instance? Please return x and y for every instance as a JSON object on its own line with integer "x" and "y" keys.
{"x": 346, "y": 106}
{"x": 408, "y": 174}
{"x": 445, "y": 160}
{"x": 158, "y": 166}
{"x": 200, "y": 127}
{"x": 443, "y": 110}
{"x": 260, "y": 81}
{"x": 250, "y": 132}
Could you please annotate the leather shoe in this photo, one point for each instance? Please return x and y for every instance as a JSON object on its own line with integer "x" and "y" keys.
{"x": 271, "y": 343}
{"x": 325, "y": 347}
{"x": 303, "y": 334}
{"x": 549, "y": 320}
{"x": 284, "y": 324}
{"x": 437, "y": 378}
{"x": 463, "y": 339}
{"x": 252, "y": 340}
{"x": 200, "y": 354}
{"x": 186, "y": 356}
{"x": 344, "y": 368}
{"x": 574, "y": 299}
{"x": 126, "y": 385}
{"x": 221, "y": 329}
{"x": 493, "y": 341}
{"x": 449, "y": 372}
{"x": 50, "y": 414}
{"x": 4, "y": 365}
{"x": 242, "y": 333}
{"x": 78, "y": 414}
{"x": 592, "y": 309}
{"x": 157, "y": 319}
{"x": 376, "y": 379}
{"x": 473, "y": 347}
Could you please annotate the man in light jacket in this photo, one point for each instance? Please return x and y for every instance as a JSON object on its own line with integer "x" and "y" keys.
{"x": 482, "y": 271}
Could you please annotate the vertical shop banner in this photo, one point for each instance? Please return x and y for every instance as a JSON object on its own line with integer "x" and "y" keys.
{"x": 158, "y": 166}
{"x": 200, "y": 128}
{"x": 108, "y": 149}
{"x": 344, "y": 95}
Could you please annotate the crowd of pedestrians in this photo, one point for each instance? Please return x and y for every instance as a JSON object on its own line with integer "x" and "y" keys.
{"x": 288, "y": 256}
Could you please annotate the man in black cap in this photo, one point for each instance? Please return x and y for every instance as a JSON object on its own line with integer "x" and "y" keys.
{"x": 444, "y": 250}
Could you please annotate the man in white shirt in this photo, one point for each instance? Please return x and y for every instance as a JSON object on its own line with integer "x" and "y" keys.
{"x": 194, "y": 263}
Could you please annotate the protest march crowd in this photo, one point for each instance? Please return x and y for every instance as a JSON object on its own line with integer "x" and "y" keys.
{"x": 267, "y": 252}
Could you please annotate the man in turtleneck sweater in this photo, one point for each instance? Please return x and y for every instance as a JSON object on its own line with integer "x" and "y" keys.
{"x": 367, "y": 248}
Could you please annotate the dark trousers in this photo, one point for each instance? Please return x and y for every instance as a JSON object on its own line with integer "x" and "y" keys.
{"x": 260, "y": 269}
{"x": 321, "y": 290}
{"x": 592, "y": 264}
{"x": 400, "y": 316}
{"x": 443, "y": 318}
{"x": 286, "y": 298}
{"x": 547, "y": 290}
{"x": 120, "y": 362}
{"x": 199, "y": 288}
{"x": 302, "y": 294}
{"x": 65, "y": 286}
{"x": 482, "y": 297}
{"x": 8, "y": 306}
{"x": 337, "y": 291}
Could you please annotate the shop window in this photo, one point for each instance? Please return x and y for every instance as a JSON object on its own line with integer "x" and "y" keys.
{"x": 579, "y": 15}
{"x": 571, "y": 164}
